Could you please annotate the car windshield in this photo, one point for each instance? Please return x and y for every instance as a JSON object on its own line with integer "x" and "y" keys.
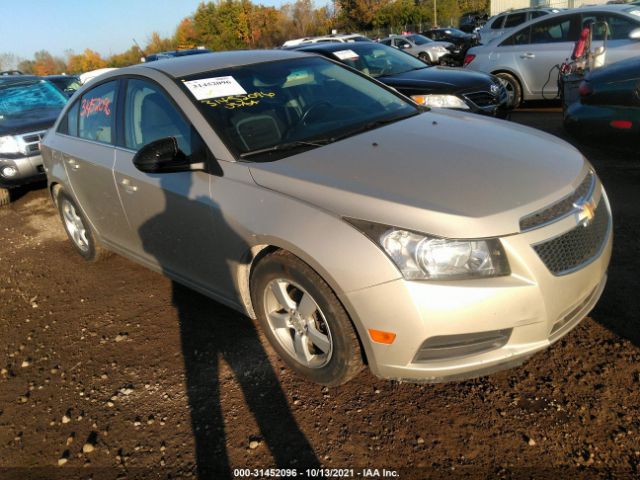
{"x": 66, "y": 84}
{"x": 378, "y": 60}
{"x": 269, "y": 110}
{"x": 419, "y": 39}
{"x": 456, "y": 33}
{"x": 29, "y": 97}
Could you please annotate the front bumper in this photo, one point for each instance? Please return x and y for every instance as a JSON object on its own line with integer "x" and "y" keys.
{"x": 29, "y": 169}
{"x": 534, "y": 307}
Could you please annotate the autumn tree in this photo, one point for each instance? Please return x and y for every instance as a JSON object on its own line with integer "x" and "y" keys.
{"x": 126, "y": 58}
{"x": 46, "y": 64}
{"x": 86, "y": 61}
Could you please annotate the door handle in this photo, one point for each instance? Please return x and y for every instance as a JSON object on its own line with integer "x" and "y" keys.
{"x": 127, "y": 186}
{"x": 527, "y": 55}
{"x": 73, "y": 163}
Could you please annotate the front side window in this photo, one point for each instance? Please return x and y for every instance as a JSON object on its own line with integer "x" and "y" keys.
{"x": 551, "y": 31}
{"x": 305, "y": 103}
{"x": 97, "y": 113}
{"x": 150, "y": 116}
{"x": 402, "y": 44}
{"x": 619, "y": 27}
{"x": 419, "y": 39}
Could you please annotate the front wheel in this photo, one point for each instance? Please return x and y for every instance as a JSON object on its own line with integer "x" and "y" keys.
{"x": 425, "y": 58}
{"x": 78, "y": 229}
{"x": 304, "y": 321}
{"x": 5, "y": 196}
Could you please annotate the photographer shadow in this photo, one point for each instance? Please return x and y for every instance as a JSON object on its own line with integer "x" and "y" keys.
{"x": 210, "y": 333}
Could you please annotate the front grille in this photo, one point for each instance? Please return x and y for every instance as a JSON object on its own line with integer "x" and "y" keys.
{"x": 482, "y": 99}
{"x": 577, "y": 247}
{"x": 31, "y": 142}
{"x": 561, "y": 208}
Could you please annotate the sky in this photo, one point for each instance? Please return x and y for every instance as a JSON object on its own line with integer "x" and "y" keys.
{"x": 106, "y": 26}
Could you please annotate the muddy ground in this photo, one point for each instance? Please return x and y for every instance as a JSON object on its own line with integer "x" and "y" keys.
{"x": 110, "y": 371}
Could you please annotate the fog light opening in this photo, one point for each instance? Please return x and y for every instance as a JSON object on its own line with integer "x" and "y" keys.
{"x": 9, "y": 171}
{"x": 380, "y": 336}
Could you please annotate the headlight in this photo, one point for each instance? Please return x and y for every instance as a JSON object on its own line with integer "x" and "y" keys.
{"x": 440, "y": 101}
{"x": 9, "y": 144}
{"x": 423, "y": 257}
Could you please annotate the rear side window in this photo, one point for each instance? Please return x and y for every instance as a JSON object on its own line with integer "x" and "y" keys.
{"x": 538, "y": 13}
{"x": 515, "y": 19}
{"x": 69, "y": 124}
{"x": 552, "y": 31}
{"x": 97, "y": 113}
{"x": 497, "y": 23}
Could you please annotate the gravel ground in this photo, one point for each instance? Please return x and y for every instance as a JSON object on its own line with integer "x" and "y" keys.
{"x": 111, "y": 371}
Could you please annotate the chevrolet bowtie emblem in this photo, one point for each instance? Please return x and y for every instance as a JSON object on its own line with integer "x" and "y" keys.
{"x": 585, "y": 211}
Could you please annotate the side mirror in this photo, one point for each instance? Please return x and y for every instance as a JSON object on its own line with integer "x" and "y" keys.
{"x": 635, "y": 34}
{"x": 404, "y": 46}
{"x": 164, "y": 156}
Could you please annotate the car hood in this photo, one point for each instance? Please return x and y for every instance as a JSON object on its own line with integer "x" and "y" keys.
{"x": 28, "y": 121}
{"x": 424, "y": 174}
{"x": 451, "y": 80}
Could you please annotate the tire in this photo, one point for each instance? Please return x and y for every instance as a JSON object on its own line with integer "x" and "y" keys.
{"x": 514, "y": 90}
{"x": 304, "y": 320}
{"x": 5, "y": 196}
{"x": 78, "y": 229}
{"x": 425, "y": 58}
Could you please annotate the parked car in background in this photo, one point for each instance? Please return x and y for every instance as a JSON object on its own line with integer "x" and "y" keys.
{"x": 67, "y": 84}
{"x": 609, "y": 105}
{"x": 505, "y": 22}
{"x": 462, "y": 42}
{"x": 472, "y": 21}
{"x": 356, "y": 226}
{"x": 88, "y": 76}
{"x": 526, "y": 59}
{"x": 420, "y": 46}
{"x": 174, "y": 53}
{"x": 28, "y": 107}
{"x": 337, "y": 38}
{"x": 433, "y": 86}
{"x": 10, "y": 72}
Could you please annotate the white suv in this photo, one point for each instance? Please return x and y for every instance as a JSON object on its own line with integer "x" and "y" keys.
{"x": 353, "y": 37}
{"x": 502, "y": 23}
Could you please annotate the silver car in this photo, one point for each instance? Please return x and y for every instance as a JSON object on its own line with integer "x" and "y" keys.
{"x": 356, "y": 226}
{"x": 420, "y": 46}
{"x": 526, "y": 59}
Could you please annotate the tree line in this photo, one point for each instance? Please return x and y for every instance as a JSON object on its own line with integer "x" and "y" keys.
{"x": 241, "y": 24}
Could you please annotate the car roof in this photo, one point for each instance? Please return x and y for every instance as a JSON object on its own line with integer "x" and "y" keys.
{"x": 193, "y": 64}
{"x": 71, "y": 75}
{"x": 331, "y": 47}
{"x": 9, "y": 79}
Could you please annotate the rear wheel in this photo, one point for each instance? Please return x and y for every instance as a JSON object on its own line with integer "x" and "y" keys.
{"x": 5, "y": 196}
{"x": 514, "y": 90}
{"x": 304, "y": 321}
{"x": 78, "y": 229}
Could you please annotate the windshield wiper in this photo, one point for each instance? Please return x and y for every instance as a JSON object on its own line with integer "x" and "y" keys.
{"x": 370, "y": 126}
{"x": 285, "y": 147}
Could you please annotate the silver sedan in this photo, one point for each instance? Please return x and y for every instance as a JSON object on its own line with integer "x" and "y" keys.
{"x": 420, "y": 46}
{"x": 356, "y": 226}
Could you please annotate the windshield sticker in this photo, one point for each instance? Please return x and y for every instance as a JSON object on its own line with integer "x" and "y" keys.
{"x": 214, "y": 87}
{"x": 346, "y": 55}
{"x": 95, "y": 105}
{"x": 237, "y": 101}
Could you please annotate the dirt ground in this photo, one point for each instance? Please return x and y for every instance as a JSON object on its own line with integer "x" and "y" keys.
{"x": 110, "y": 371}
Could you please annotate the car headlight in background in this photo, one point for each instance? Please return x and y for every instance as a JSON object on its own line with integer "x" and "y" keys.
{"x": 440, "y": 101}
{"x": 10, "y": 144}
{"x": 423, "y": 257}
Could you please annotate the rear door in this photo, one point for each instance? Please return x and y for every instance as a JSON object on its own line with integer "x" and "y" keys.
{"x": 86, "y": 146}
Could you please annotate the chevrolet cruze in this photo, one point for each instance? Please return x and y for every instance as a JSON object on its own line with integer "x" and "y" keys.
{"x": 356, "y": 226}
